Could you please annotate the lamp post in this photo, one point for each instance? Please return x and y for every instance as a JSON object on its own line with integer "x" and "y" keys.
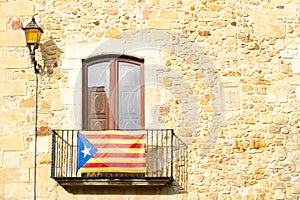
{"x": 33, "y": 36}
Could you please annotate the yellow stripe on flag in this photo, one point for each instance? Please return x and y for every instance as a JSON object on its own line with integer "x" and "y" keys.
{"x": 119, "y": 132}
{"x": 123, "y": 150}
{"x": 118, "y": 141}
{"x": 123, "y": 160}
{"x": 116, "y": 170}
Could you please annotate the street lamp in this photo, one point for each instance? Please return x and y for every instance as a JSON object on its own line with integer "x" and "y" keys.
{"x": 33, "y": 35}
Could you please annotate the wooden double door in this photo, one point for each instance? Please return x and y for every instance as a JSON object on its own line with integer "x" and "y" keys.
{"x": 113, "y": 93}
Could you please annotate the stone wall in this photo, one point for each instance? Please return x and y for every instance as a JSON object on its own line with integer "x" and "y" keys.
{"x": 223, "y": 74}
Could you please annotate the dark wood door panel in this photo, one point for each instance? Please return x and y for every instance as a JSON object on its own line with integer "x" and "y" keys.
{"x": 98, "y": 110}
{"x": 98, "y": 103}
{"x": 98, "y": 124}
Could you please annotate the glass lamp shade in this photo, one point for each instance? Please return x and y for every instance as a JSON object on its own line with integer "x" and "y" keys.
{"x": 33, "y": 33}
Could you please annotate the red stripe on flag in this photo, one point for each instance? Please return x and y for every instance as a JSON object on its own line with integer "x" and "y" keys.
{"x": 113, "y": 136}
{"x": 119, "y": 155}
{"x": 124, "y": 165}
{"x": 119, "y": 145}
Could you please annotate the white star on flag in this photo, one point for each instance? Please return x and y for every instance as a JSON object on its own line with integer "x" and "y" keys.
{"x": 86, "y": 151}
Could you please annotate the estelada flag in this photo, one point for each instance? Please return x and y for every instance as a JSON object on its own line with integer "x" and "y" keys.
{"x": 117, "y": 151}
{"x": 85, "y": 150}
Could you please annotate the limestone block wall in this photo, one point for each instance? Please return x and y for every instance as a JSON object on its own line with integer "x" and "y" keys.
{"x": 223, "y": 74}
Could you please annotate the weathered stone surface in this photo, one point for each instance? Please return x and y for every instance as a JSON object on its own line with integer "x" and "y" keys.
{"x": 3, "y": 52}
{"x": 26, "y": 76}
{"x": 97, "y": 4}
{"x": 2, "y": 75}
{"x": 52, "y": 93}
{"x": 57, "y": 105}
{"x": 296, "y": 188}
{"x": 232, "y": 98}
{"x": 27, "y": 103}
{"x": 12, "y": 116}
{"x": 112, "y": 11}
{"x": 16, "y": 175}
{"x": 281, "y": 152}
{"x": 14, "y": 63}
{"x": 43, "y": 144}
{"x": 27, "y": 161}
{"x": 45, "y": 158}
{"x": 259, "y": 81}
{"x": 113, "y": 32}
{"x": 3, "y": 23}
{"x": 16, "y": 24}
{"x": 270, "y": 30}
{"x": 8, "y": 162}
{"x": 250, "y": 120}
{"x": 13, "y": 88}
{"x": 266, "y": 118}
{"x": 247, "y": 88}
{"x": 168, "y": 14}
{"x": 268, "y": 6}
{"x": 281, "y": 119}
{"x": 24, "y": 190}
{"x": 274, "y": 129}
{"x": 12, "y": 143}
{"x": 43, "y": 131}
{"x": 276, "y": 15}
{"x": 159, "y": 24}
{"x": 22, "y": 8}
{"x": 271, "y": 98}
{"x": 259, "y": 16}
{"x": 278, "y": 185}
{"x": 12, "y": 39}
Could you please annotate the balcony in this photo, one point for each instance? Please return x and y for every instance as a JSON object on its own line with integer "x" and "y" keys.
{"x": 165, "y": 159}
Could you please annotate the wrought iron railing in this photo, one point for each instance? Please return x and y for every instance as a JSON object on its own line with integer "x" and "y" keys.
{"x": 165, "y": 154}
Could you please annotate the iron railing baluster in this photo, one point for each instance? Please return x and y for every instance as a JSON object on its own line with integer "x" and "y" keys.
{"x": 59, "y": 158}
{"x": 161, "y": 158}
{"x": 53, "y": 154}
{"x": 172, "y": 133}
{"x": 63, "y": 153}
{"x": 152, "y": 153}
{"x": 72, "y": 137}
{"x": 167, "y": 156}
{"x": 67, "y": 153}
{"x": 157, "y": 155}
{"x": 147, "y": 153}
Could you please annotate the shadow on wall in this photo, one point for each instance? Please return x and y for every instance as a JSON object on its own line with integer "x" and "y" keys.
{"x": 50, "y": 55}
{"x": 122, "y": 190}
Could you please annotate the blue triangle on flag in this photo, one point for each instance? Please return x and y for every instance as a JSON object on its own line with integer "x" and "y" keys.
{"x": 85, "y": 150}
